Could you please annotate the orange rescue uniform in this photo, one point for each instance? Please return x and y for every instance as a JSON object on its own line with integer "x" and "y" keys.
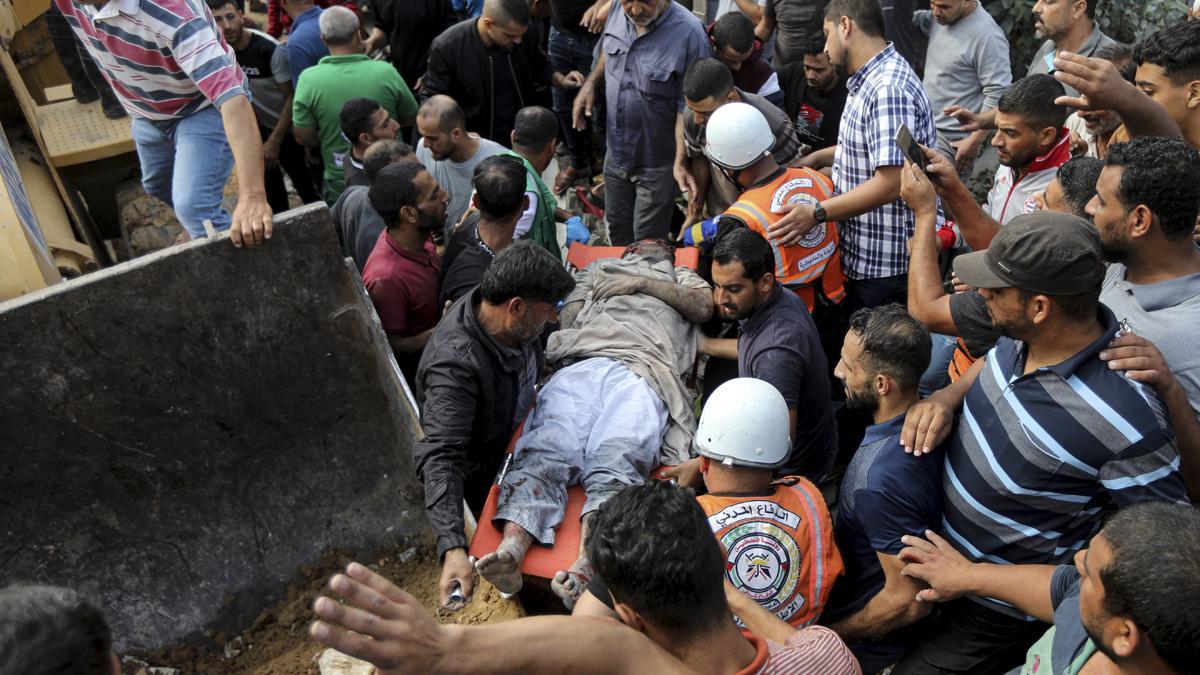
{"x": 780, "y": 548}
{"x": 815, "y": 262}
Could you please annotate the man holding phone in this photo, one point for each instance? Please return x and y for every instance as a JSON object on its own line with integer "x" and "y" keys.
{"x": 885, "y": 94}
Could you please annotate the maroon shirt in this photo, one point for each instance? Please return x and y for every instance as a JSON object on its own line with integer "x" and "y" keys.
{"x": 403, "y": 286}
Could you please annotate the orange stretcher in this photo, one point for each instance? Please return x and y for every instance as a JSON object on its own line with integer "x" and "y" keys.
{"x": 546, "y": 561}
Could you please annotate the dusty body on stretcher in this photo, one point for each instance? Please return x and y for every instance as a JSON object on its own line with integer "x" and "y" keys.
{"x": 615, "y": 408}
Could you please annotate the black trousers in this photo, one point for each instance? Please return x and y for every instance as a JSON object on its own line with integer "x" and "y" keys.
{"x": 861, "y": 293}
{"x": 291, "y": 160}
{"x": 968, "y": 637}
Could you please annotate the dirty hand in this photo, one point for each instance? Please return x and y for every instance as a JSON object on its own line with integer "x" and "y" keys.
{"x": 596, "y": 16}
{"x": 457, "y": 567}
{"x": 251, "y": 220}
{"x": 1098, "y": 82}
{"x": 271, "y": 152}
{"x": 937, "y": 563}
{"x": 1141, "y": 361}
{"x": 797, "y": 221}
{"x": 610, "y": 281}
{"x": 686, "y": 474}
{"x": 379, "y": 624}
{"x": 966, "y": 119}
{"x": 581, "y": 110}
{"x": 572, "y": 80}
{"x": 926, "y": 425}
{"x": 916, "y": 190}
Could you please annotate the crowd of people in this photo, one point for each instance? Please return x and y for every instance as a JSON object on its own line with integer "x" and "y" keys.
{"x": 880, "y": 426}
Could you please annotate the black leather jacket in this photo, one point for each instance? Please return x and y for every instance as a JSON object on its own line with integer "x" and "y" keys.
{"x": 473, "y": 392}
{"x": 460, "y": 67}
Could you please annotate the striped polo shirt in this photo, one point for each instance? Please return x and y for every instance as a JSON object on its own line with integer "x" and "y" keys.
{"x": 1037, "y": 457}
{"x": 165, "y": 59}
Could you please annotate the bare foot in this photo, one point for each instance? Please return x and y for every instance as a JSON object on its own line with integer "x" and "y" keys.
{"x": 570, "y": 584}
{"x": 502, "y": 569}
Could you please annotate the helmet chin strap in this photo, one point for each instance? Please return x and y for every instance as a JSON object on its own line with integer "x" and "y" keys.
{"x": 734, "y": 174}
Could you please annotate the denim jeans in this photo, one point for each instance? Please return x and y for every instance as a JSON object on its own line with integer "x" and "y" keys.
{"x": 568, "y": 52}
{"x": 937, "y": 375}
{"x": 197, "y": 147}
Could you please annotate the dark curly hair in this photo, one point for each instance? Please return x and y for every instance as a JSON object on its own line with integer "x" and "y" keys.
{"x": 1078, "y": 177}
{"x": 1161, "y": 174}
{"x": 652, "y": 546}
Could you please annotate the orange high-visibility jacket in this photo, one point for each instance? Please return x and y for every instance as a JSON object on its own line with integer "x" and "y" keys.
{"x": 780, "y": 548}
{"x": 813, "y": 262}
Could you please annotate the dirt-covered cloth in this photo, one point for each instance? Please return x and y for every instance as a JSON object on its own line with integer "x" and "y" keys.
{"x": 644, "y": 333}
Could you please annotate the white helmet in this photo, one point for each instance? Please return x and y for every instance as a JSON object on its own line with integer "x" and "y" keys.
{"x": 744, "y": 424}
{"x": 737, "y": 136}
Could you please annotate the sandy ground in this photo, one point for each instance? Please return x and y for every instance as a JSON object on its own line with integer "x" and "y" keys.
{"x": 277, "y": 642}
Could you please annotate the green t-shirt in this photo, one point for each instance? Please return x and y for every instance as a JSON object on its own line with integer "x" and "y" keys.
{"x": 322, "y": 91}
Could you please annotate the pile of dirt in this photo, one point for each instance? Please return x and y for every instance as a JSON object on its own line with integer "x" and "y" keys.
{"x": 277, "y": 643}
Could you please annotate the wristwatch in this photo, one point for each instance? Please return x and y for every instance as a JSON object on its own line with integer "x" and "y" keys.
{"x": 819, "y": 213}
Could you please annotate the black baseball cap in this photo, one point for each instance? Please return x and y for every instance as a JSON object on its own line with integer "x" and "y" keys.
{"x": 1042, "y": 252}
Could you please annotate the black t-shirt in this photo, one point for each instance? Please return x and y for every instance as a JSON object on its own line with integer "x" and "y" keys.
{"x": 974, "y": 323}
{"x": 780, "y": 344}
{"x": 464, "y": 261}
{"x": 353, "y": 172}
{"x": 566, "y": 15}
{"x": 256, "y": 61}
{"x": 816, "y": 115}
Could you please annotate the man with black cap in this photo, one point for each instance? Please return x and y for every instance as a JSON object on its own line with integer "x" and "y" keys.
{"x": 1049, "y": 435}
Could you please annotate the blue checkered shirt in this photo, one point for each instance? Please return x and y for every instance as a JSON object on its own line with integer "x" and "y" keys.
{"x": 883, "y": 94}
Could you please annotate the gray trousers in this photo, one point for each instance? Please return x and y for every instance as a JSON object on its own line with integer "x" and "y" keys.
{"x": 596, "y": 423}
{"x": 638, "y": 203}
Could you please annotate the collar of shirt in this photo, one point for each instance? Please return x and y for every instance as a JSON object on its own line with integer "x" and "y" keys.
{"x": 424, "y": 257}
{"x": 760, "y": 316}
{"x": 857, "y": 79}
{"x": 628, "y": 30}
{"x": 878, "y": 432}
{"x": 1012, "y": 364}
{"x": 1088, "y": 48}
{"x": 343, "y": 58}
{"x": 511, "y": 359}
{"x": 1161, "y": 295}
{"x": 116, "y": 7}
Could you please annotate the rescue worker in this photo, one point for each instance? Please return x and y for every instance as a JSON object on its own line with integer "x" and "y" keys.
{"x": 739, "y": 140}
{"x": 777, "y": 534}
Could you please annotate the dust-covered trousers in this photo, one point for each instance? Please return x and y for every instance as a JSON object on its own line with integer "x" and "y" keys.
{"x": 595, "y": 423}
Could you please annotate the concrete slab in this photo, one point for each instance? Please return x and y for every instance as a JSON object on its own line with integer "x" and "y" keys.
{"x": 180, "y": 432}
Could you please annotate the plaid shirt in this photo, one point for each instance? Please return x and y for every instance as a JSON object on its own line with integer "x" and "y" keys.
{"x": 883, "y": 94}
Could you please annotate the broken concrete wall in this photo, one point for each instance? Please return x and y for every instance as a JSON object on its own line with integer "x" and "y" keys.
{"x": 179, "y": 433}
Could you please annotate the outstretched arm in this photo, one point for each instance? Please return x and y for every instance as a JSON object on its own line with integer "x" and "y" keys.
{"x": 950, "y": 575}
{"x": 389, "y": 628}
